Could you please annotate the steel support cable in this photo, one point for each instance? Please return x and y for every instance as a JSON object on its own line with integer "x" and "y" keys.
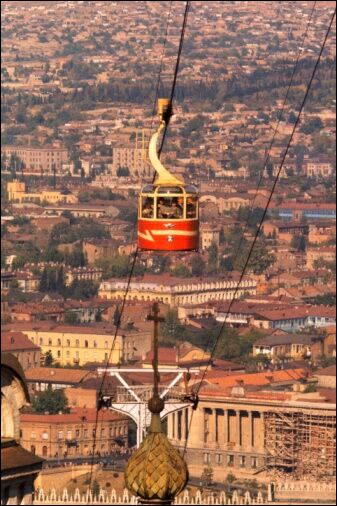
{"x": 182, "y": 36}
{"x": 308, "y": 88}
{"x": 271, "y": 145}
{"x": 133, "y": 264}
{"x": 137, "y": 249}
{"x": 300, "y": 51}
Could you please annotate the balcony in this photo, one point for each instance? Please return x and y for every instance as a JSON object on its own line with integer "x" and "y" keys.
{"x": 71, "y": 443}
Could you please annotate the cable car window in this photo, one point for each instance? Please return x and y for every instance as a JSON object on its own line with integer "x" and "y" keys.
{"x": 148, "y": 189}
{"x": 191, "y": 207}
{"x": 147, "y": 207}
{"x": 169, "y": 189}
{"x": 191, "y": 189}
{"x": 170, "y": 208}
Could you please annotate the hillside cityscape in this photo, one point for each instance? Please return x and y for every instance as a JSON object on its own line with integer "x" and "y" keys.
{"x": 246, "y": 321}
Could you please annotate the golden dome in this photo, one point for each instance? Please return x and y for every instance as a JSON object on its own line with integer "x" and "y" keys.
{"x": 156, "y": 471}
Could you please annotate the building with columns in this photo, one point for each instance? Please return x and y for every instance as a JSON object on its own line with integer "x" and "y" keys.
{"x": 256, "y": 430}
{"x": 176, "y": 291}
{"x": 19, "y": 468}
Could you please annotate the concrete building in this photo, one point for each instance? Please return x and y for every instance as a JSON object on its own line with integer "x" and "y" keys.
{"x": 19, "y": 467}
{"x": 71, "y": 434}
{"x": 253, "y": 424}
{"x": 82, "y": 344}
{"x": 17, "y": 193}
{"x": 132, "y": 158}
{"x": 209, "y": 235}
{"x": 175, "y": 291}
{"x": 318, "y": 168}
{"x": 296, "y": 346}
{"x": 17, "y": 343}
{"x": 323, "y": 254}
{"x": 40, "y": 379}
{"x": 38, "y": 159}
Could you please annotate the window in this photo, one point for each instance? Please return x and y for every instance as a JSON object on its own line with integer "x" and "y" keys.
{"x": 60, "y": 434}
{"x": 33, "y": 435}
{"x": 218, "y": 458}
{"x": 95, "y": 344}
{"x": 33, "y": 449}
{"x": 45, "y": 435}
{"x": 106, "y": 344}
{"x": 58, "y": 353}
{"x": 148, "y": 207}
{"x": 77, "y": 343}
{"x": 59, "y": 342}
{"x": 85, "y": 432}
{"x": 242, "y": 461}
{"x": 68, "y": 342}
{"x": 207, "y": 458}
{"x": 44, "y": 451}
{"x": 50, "y": 342}
{"x": 170, "y": 208}
{"x": 86, "y": 345}
{"x": 102, "y": 432}
{"x": 41, "y": 340}
{"x": 254, "y": 462}
{"x": 230, "y": 460}
{"x": 191, "y": 207}
{"x": 69, "y": 434}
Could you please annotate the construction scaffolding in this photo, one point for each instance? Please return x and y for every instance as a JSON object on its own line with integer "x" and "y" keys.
{"x": 300, "y": 444}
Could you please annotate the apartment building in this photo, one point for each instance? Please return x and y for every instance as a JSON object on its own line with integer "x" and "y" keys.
{"x": 82, "y": 344}
{"x": 72, "y": 434}
{"x": 38, "y": 159}
{"x": 175, "y": 291}
{"x": 132, "y": 158}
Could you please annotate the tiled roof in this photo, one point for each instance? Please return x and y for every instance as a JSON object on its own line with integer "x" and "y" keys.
{"x": 327, "y": 371}
{"x": 276, "y": 340}
{"x": 259, "y": 379}
{"x": 13, "y": 456}
{"x": 57, "y": 375}
{"x": 16, "y": 341}
{"x": 75, "y": 416}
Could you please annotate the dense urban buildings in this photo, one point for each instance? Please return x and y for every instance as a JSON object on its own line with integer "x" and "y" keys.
{"x": 250, "y": 383}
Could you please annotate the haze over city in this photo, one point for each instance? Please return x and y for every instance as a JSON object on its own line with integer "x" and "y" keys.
{"x": 168, "y": 257}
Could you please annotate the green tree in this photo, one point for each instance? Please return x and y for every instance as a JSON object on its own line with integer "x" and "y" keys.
{"x": 48, "y": 359}
{"x": 181, "y": 271}
{"x": 269, "y": 169}
{"x": 43, "y": 287}
{"x": 260, "y": 261}
{"x": 299, "y": 242}
{"x": 197, "y": 265}
{"x": 212, "y": 261}
{"x": 312, "y": 125}
{"x": 71, "y": 318}
{"x": 51, "y": 401}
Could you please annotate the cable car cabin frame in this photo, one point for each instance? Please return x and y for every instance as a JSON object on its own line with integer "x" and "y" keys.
{"x": 168, "y": 218}
{"x": 168, "y": 209}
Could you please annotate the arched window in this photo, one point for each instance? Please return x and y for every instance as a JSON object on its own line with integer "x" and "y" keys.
{"x": 45, "y": 451}
{"x": 86, "y": 344}
{"x": 33, "y": 449}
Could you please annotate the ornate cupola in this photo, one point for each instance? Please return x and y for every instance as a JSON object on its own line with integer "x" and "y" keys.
{"x": 156, "y": 473}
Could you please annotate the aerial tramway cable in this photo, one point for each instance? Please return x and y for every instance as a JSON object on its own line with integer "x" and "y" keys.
{"x": 300, "y": 51}
{"x": 308, "y": 87}
{"x": 137, "y": 249}
{"x": 270, "y": 146}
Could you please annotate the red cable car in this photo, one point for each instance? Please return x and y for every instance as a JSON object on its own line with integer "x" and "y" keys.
{"x": 168, "y": 211}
